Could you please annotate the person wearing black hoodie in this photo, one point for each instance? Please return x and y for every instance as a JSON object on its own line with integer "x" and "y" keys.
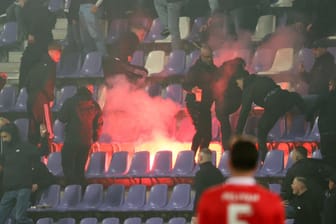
{"x": 17, "y": 162}
{"x": 83, "y": 123}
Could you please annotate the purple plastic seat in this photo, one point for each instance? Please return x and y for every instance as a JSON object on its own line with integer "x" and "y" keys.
{"x": 275, "y": 188}
{"x": 9, "y": 34}
{"x": 69, "y": 66}
{"x": 177, "y": 220}
{"x": 7, "y": 98}
{"x": 262, "y": 60}
{"x": 49, "y": 199}
{"x": 162, "y": 164}
{"x": 23, "y": 126}
{"x": 46, "y": 220}
{"x": 175, "y": 93}
{"x": 184, "y": 164}
{"x": 138, "y": 58}
{"x": 55, "y": 5}
{"x": 154, "y": 220}
{"x": 66, "y": 221}
{"x": 306, "y": 57}
{"x": 317, "y": 154}
{"x": 180, "y": 198}
{"x": 58, "y": 129}
{"x": 113, "y": 199}
{"x": 289, "y": 164}
{"x": 71, "y": 198}
{"x": 136, "y": 198}
{"x": 154, "y": 32}
{"x": 96, "y": 166}
{"x": 296, "y": 131}
{"x": 111, "y": 220}
{"x": 158, "y": 197}
{"x": 313, "y": 135}
{"x": 133, "y": 220}
{"x": 276, "y": 132}
{"x": 54, "y": 164}
{"x": 273, "y": 164}
{"x": 92, "y": 65}
{"x": 139, "y": 165}
{"x": 89, "y": 220}
{"x": 65, "y": 93}
{"x": 223, "y": 163}
{"x": 191, "y": 59}
{"x": 176, "y": 62}
{"x": 116, "y": 29}
{"x": 118, "y": 164}
{"x": 21, "y": 101}
{"x": 92, "y": 198}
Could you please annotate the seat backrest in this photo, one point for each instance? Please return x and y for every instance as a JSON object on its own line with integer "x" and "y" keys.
{"x": 138, "y": 58}
{"x": 139, "y": 164}
{"x": 51, "y": 196}
{"x": 158, "y": 196}
{"x": 317, "y": 154}
{"x": 155, "y": 62}
{"x": 93, "y": 195}
{"x": 114, "y": 196}
{"x": 118, "y": 164}
{"x": 154, "y": 32}
{"x": 72, "y": 196}
{"x": 23, "y": 126}
{"x": 133, "y": 220}
{"x": 47, "y": 220}
{"x": 175, "y": 93}
{"x": 111, "y": 220}
{"x": 69, "y": 65}
{"x": 306, "y": 57}
{"x": 191, "y": 59}
{"x": 180, "y": 197}
{"x": 9, "y": 33}
{"x": 274, "y": 162}
{"x": 184, "y": 25}
{"x": 89, "y": 220}
{"x": 162, "y": 162}
{"x": 92, "y": 65}
{"x": 96, "y": 164}
{"x": 116, "y": 29}
{"x": 7, "y": 98}
{"x": 136, "y": 196}
{"x": 283, "y": 60}
{"x": 223, "y": 165}
{"x": 276, "y": 188}
{"x": 176, "y": 62}
{"x": 332, "y": 50}
{"x": 58, "y": 129}
{"x": 266, "y": 25}
{"x": 177, "y": 220}
{"x": 65, "y": 93}
{"x": 21, "y": 101}
{"x": 55, "y": 5}
{"x": 154, "y": 220}
{"x": 262, "y": 60}
{"x": 184, "y": 163}
{"x": 66, "y": 221}
{"x": 54, "y": 163}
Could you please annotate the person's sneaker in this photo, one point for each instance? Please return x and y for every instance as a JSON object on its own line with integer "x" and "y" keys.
{"x": 165, "y": 33}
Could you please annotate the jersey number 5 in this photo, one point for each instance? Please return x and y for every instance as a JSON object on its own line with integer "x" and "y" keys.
{"x": 235, "y": 211}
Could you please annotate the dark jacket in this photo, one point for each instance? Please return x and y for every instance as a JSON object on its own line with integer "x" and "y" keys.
{"x": 207, "y": 176}
{"x": 329, "y": 208}
{"x": 82, "y": 117}
{"x": 18, "y": 160}
{"x": 73, "y": 11}
{"x": 319, "y": 76}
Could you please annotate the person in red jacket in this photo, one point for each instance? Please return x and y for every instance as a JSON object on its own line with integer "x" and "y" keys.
{"x": 240, "y": 199}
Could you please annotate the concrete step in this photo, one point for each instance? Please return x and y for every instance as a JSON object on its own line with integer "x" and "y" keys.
{"x": 59, "y": 34}
{"x": 14, "y": 56}
{"x": 61, "y": 23}
{"x": 13, "y": 77}
{"x": 10, "y": 67}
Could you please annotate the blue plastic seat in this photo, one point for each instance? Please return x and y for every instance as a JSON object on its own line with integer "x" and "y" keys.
{"x": 133, "y": 220}
{"x": 262, "y": 60}
{"x": 177, "y": 220}
{"x": 21, "y": 101}
{"x": 66, "y": 221}
{"x": 273, "y": 164}
{"x": 138, "y": 58}
{"x": 158, "y": 197}
{"x": 58, "y": 129}
{"x": 113, "y": 199}
{"x": 23, "y": 126}
{"x": 154, "y": 220}
{"x": 306, "y": 57}
{"x": 136, "y": 198}
{"x": 111, "y": 220}
{"x": 65, "y": 93}
{"x": 49, "y": 199}
{"x": 116, "y": 29}
{"x": 46, "y": 220}
{"x": 7, "y": 98}
{"x": 154, "y": 32}
{"x": 139, "y": 165}
{"x": 92, "y": 198}
{"x": 92, "y": 65}
{"x": 191, "y": 59}
{"x": 118, "y": 164}
{"x": 55, "y": 5}
{"x": 317, "y": 154}
{"x": 180, "y": 198}
{"x": 9, "y": 34}
{"x": 70, "y": 199}
{"x": 223, "y": 165}
{"x": 275, "y": 188}
{"x": 54, "y": 164}
{"x": 175, "y": 93}
{"x": 162, "y": 164}
{"x": 96, "y": 166}
{"x": 184, "y": 163}
{"x": 69, "y": 65}
{"x": 176, "y": 62}
{"x": 89, "y": 220}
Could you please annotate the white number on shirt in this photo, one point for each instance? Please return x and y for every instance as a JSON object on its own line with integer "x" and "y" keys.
{"x": 235, "y": 210}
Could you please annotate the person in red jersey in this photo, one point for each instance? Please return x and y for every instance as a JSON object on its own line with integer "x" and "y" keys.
{"x": 240, "y": 200}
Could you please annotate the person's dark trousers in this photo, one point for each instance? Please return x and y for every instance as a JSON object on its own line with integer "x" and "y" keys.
{"x": 275, "y": 106}
{"x": 18, "y": 199}
{"x": 31, "y": 55}
{"x": 74, "y": 156}
{"x": 328, "y": 150}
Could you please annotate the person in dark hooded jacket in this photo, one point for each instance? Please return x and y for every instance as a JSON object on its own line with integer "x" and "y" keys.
{"x": 17, "y": 161}
{"x": 83, "y": 123}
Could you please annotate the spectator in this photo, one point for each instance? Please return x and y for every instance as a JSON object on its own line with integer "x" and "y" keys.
{"x": 329, "y": 208}
{"x": 71, "y": 9}
{"x": 240, "y": 199}
{"x": 206, "y": 177}
{"x": 17, "y": 163}
{"x": 40, "y": 88}
{"x": 15, "y": 13}
{"x": 302, "y": 207}
{"x": 83, "y": 123}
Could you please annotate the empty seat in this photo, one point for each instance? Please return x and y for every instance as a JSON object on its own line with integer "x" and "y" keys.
{"x": 69, "y": 65}
{"x": 133, "y": 220}
{"x": 154, "y": 220}
{"x": 262, "y": 60}
{"x": 177, "y": 220}
{"x": 7, "y": 98}
{"x": 162, "y": 164}
{"x": 46, "y": 220}
{"x": 283, "y": 62}
{"x": 191, "y": 59}
{"x": 176, "y": 62}
{"x": 306, "y": 57}
{"x": 118, "y": 164}
{"x": 23, "y": 126}
{"x": 175, "y": 93}
{"x": 113, "y": 199}
{"x": 223, "y": 165}
{"x": 92, "y": 65}
{"x": 276, "y": 188}
{"x": 96, "y": 166}
{"x": 9, "y": 34}
{"x": 116, "y": 29}
{"x": 184, "y": 164}
{"x": 273, "y": 164}
{"x": 89, "y": 220}
{"x": 283, "y": 3}
{"x": 55, "y": 5}
{"x": 136, "y": 198}
{"x": 155, "y": 62}
{"x": 154, "y": 32}
{"x": 158, "y": 197}
{"x": 180, "y": 198}
{"x": 317, "y": 154}
{"x": 70, "y": 199}
{"x": 54, "y": 164}
{"x": 111, "y": 220}
{"x": 21, "y": 101}
{"x": 92, "y": 198}
{"x": 139, "y": 165}
{"x": 266, "y": 25}
{"x": 66, "y": 221}
{"x": 138, "y": 58}
{"x": 65, "y": 93}
{"x": 58, "y": 129}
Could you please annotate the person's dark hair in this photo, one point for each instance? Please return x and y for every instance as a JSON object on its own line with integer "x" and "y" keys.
{"x": 55, "y": 45}
{"x": 302, "y": 180}
{"x": 302, "y": 151}
{"x": 13, "y": 130}
{"x": 243, "y": 155}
